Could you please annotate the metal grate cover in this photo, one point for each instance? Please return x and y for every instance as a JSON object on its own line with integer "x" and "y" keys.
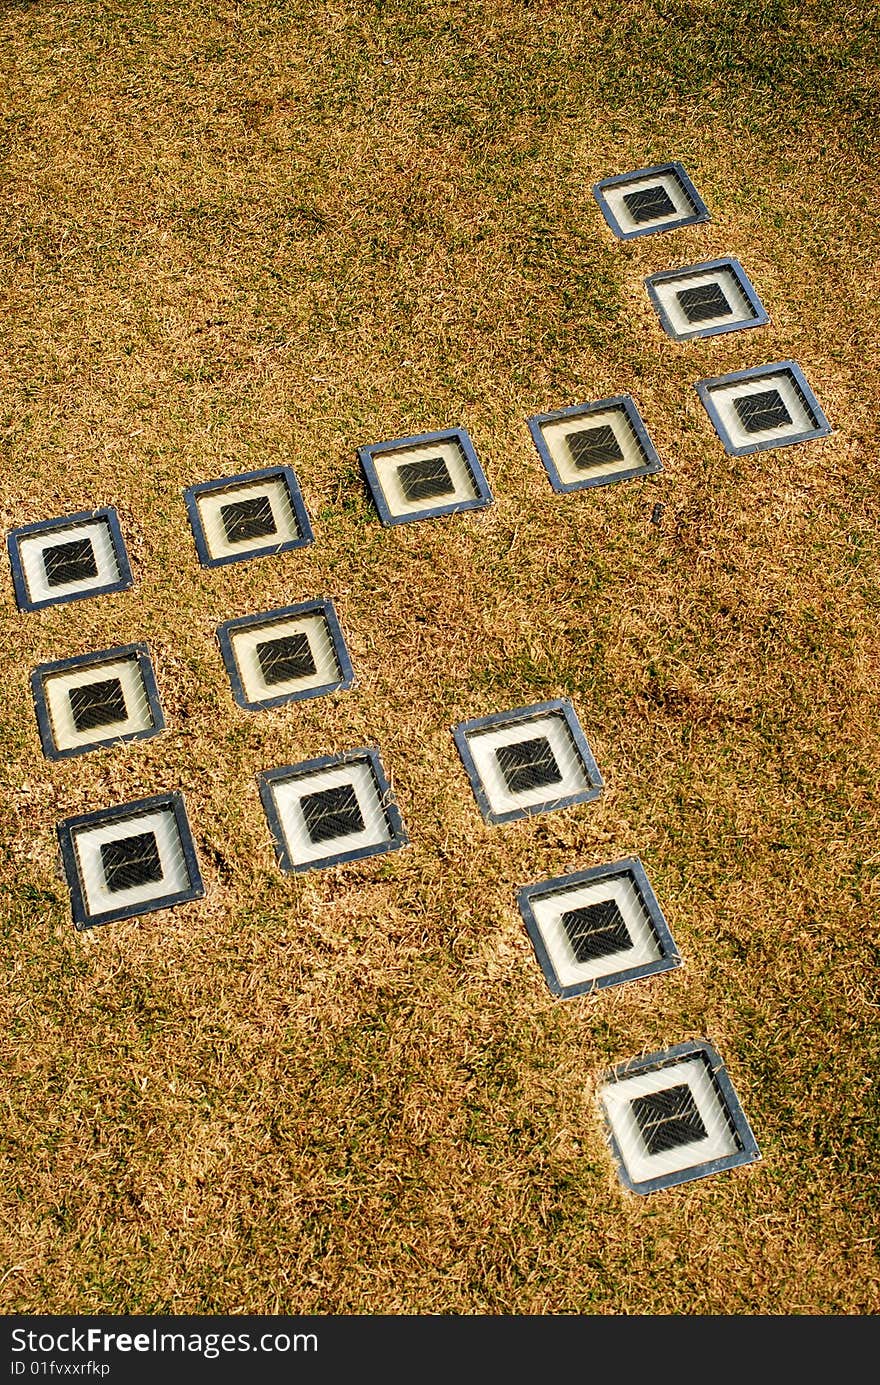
{"x": 332, "y": 813}
{"x": 766, "y": 406}
{"x": 758, "y": 412}
{"x": 673, "y": 1117}
{"x": 98, "y": 699}
{"x": 528, "y": 765}
{"x": 425, "y": 480}
{"x": 596, "y": 928}
{"x": 253, "y": 515}
{"x": 649, "y": 204}
{"x": 705, "y": 300}
{"x": 594, "y": 444}
{"x": 248, "y": 519}
{"x": 286, "y": 660}
{"x": 130, "y": 860}
{"x": 531, "y": 760}
{"x": 592, "y": 447}
{"x": 424, "y": 476}
{"x": 97, "y": 704}
{"x": 65, "y": 563}
{"x": 68, "y": 559}
{"x": 668, "y": 1118}
{"x": 285, "y": 655}
{"x": 332, "y": 810}
{"x": 649, "y": 200}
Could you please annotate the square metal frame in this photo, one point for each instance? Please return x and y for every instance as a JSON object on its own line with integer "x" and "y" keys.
{"x": 192, "y": 495}
{"x": 322, "y": 606}
{"x": 630, "y": 867}
{"x": 307, "y": 769}
{"x": 557, "y": 707}
{"x": 677, "y": 171}
{"x": 45, "y": 526}
{"x": 746, "y": 287}
{"x": 706, "y": 387}
{"x": 748, "y": 1152}
{"x": 459, "y": 435}
{"x": 68, "y": 829}
{"x": 141, "y": 653}
{"x": 622, "y": 403}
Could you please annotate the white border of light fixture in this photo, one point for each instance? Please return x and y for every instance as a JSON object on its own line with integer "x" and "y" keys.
{"x": 719, "y": 392}
{"x": 80, "y": 839}
{"x": 131, "y": 664}
{"x": 379, "y": 462}
{"x": 729, "y": 1141}
{"x": 542, "y": 905}
{"x": 689, "y": 205}
{"x": 478, "y": 739}
{"x": 729, "y": 274}
{"x": 278, "y": 484}
{"x": 282, "y": 789}
{"x": 27, "y": 544}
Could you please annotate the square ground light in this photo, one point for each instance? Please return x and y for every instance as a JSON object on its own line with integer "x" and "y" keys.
{"x": 95, "y": 700}
{"x": 705, "y": 300}
{"x": 129, "y": 860}
{"x": 425, "y": 476}
{"x": 594, "y": 444}
{"x": 247, "y": 516}
{"x": 328, "y": 811}
{"x": 531, "y": 760}
{"x": 650, "y": 199}
{"x": 673, "y": 1117}
{"x": 285, "y": 655}
{"x": 67, "y": 559}
{"x": 597, "y": 928}
{"x": 766, "y": 406}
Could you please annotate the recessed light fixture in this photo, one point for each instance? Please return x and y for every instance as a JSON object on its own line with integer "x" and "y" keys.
{"x": 673, "y": 1117}
{"x": 284, "y": 655}
{"x": 705, "y": 300}
{"x": 68, "y": 559}
{"x": 129, "y": 860}
{"x": 766, "y": 406}
{"x": 96, "y": 699}
{"x": 425, "y": 476}
{"x": 247, "y": 516}
{"x": 530, "y": 760}
{"x": 650, "y": 199}
{"x": 594, "y": 444}
{"x": 327, "y": 811}
{"x": 597, "y": 928}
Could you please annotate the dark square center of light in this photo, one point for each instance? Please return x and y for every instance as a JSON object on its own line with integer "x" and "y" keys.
{"x": 248, "y": 519}
{"x": 425, "y": 480}
{"x": 594, "y": 446}
{"x": 97, "y": 704}
{"x": 130, "y": 862}
{"x": 702, "y": 302}
{"x": 596, "y": 930}
{"x": 286, "y": 658}
{"x": 332, "y": 813}
{"x": 649, "y": 204}
{"x": 668, "y": 1119}
{"x": 759, "y": 411}
{"x": 528, "y": 764}
{"x": 69, "y": 562}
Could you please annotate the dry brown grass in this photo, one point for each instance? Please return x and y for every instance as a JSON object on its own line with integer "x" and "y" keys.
{"x": 242, "y": 234}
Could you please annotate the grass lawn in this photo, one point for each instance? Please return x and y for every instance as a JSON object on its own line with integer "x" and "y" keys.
{"x": 240, "y": 235}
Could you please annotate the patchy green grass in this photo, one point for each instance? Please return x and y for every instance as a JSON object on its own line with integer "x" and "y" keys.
{"x": 239, "y": 235}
